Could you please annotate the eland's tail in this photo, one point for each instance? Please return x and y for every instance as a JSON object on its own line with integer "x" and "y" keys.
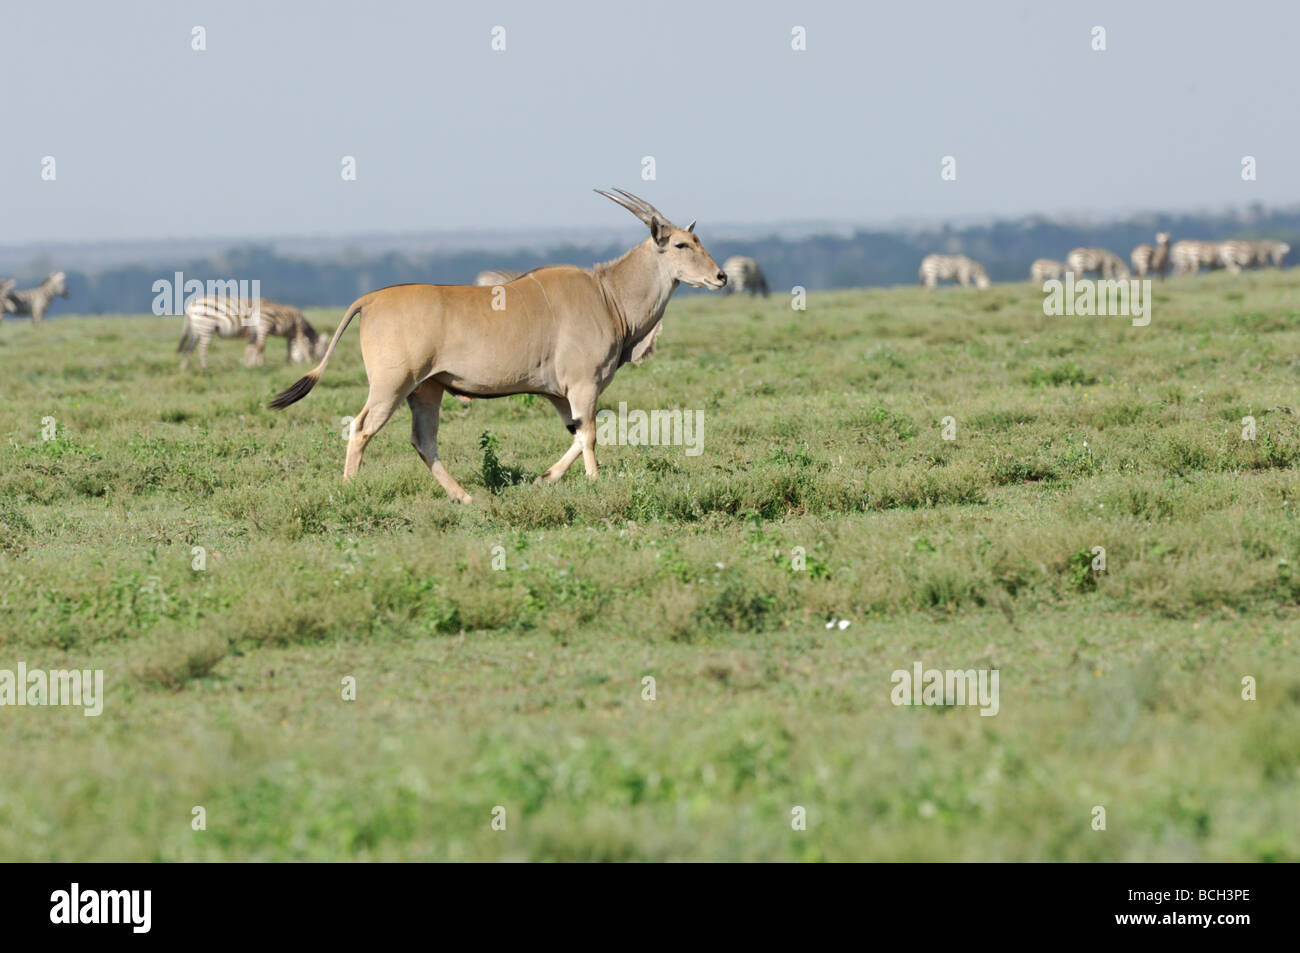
{"x": 303, "y": 385}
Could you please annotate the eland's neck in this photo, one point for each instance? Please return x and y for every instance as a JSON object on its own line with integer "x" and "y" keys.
{"x": 637, "y": 288}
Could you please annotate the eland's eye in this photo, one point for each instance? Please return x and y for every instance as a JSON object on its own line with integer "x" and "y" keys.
{"x": 680, "y": 245}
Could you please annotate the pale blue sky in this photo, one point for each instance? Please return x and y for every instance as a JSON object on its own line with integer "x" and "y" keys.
{"x": 153, "y": 140}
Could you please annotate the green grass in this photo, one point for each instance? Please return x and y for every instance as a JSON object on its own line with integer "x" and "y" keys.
{"x": 523, "y": 687}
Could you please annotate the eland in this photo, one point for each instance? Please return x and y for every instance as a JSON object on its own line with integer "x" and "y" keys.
{"x": 495, "y": 276}
{"x": 559, "y": 331}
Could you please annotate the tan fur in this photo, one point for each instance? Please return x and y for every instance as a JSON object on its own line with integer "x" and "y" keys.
{"x": 560, "y": 332}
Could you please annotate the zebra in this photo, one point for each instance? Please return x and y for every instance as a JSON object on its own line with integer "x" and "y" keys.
{"x": 1269, "y": 252}
{"x": 963, "y": 270}
{"x": 1044, "y": 269}
{"x": 494, "y": 276}
{"x": 234, "y": 317}
{"x": 1236, "y": 255}
{"x": 34, "y": 301}
{"x": 1105, "y": 263}
{"x": 1147, "y": 259}
{"x": 743, "y": 274}
{"x": 1189, "y": 256}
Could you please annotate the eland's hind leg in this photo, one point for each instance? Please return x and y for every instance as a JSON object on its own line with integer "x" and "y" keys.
{"x": 561, "y": 466}
{"x": 426, "y": 404}
{"x": 584, "y": 411}
{"x": 365, "y": 425}
{"x": 580, "y": 418}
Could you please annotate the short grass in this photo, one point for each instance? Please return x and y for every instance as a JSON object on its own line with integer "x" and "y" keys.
{"x": 522, "y": 687}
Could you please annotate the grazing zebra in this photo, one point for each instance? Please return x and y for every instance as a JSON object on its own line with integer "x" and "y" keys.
{"x": 1237, "y": 255}
{"x": 34, "y": 301}
{"x": 743, "y": 274}
{"x": 230, "y": 316}
{"x": 1269, "y": 252}
{"x": 1081, "y": 261}
{"x": 1044, "y": 269}
{"x": 1190, "y": 256}
{"x": 493, "y": 277}
{"x": 1147, "y": 259}
{"x": 959, "y": 268}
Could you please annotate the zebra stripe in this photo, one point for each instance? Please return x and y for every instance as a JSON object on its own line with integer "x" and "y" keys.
{"x": 1189, "y": 256}
{"x": 1237, "y": 255}
{"x": 1081, "y": 261}
{"x": 959, "y": 268}
{"x": 743, "y": 274}
{"x": 34, "y": 301}
{"x": 1269, "y": 252}
{"x": 1045, "y": 269}
{"x": 234, "y": 317}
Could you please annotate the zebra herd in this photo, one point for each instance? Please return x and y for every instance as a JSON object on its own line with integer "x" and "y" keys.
{"x": 234, "y": 317}
{"x": 1234, "y": 256}
{"x": 1185, "y": 257}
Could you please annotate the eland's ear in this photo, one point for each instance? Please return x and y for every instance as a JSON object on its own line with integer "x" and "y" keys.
{"x": 660, "y": 231}
{"x": 691, "y": 227}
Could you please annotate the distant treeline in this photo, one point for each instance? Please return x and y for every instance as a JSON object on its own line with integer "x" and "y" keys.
{"x": 862, "y": 259}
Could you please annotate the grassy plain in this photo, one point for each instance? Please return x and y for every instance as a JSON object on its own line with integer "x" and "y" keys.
{"x": 522, "y": 687}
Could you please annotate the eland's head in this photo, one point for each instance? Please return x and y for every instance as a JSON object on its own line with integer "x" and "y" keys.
{"x": 1162, "y": 238}
{"x": 681, "y": 253}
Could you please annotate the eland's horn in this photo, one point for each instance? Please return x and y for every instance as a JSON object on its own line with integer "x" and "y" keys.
{"x": 634, "y": 209}
{"x": 639, "y": 207}
{"x": 644, "y": 204}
